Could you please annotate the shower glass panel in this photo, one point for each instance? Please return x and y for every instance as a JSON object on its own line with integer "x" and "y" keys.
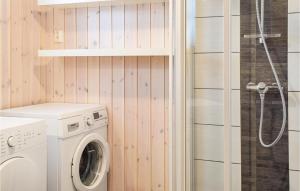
{"x": 265, "y": 149}
{"x": 258, "y": 151}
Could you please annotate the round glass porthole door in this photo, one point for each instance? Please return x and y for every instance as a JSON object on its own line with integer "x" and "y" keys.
{"x": 90, "y": 163}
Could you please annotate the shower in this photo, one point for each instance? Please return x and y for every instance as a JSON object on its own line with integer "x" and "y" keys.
{"x": 262, "y": 88}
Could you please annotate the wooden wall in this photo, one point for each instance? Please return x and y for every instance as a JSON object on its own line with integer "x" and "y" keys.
{"x": 134, "y": 89}
{"x": 4, "y": 54}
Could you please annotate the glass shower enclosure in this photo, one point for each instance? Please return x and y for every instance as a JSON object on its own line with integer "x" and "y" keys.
{"x": 237, "y": 70}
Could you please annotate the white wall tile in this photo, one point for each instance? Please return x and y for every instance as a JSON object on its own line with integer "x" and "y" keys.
{"x": 294, "y": 32}
{"x": 294, "y": 71}
{"x": 235, "y": 71}
{"x": 209, "y": 176}
{"x": 294, "y": 180}
{"x": 294, "y": 150}
{"x": 209, "y": 34}
{"x": 208, "y": 8}
{"x": 294, "y": 6}
{"x": 236, "y": 107}
{"x": 209, "y": 141}
{"x": 236, "y": 181}
{"x": 294, "y": 110}
{"x": 209, "y": 106}
{"x": 209, "y": 70}
{"x": 235, "y": 34}
{"x": 235, "y": 7}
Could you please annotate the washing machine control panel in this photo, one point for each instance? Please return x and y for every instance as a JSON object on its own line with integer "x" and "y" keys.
{"x": 85, "y": 122}
{"x": 18, "y": 139}
{"x": 95, "y": 119}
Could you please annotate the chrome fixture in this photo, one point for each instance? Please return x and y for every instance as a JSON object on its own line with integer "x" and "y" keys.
{"x": 266, "y": 36}
{"x": 261, "y": 87}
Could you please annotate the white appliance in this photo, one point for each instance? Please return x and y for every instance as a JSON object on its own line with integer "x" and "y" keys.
{"x": 23, "y": 154}
{"x": 78, "y": 153}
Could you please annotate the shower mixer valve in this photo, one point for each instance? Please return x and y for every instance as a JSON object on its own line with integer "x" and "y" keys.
{"x": 262, "y": 88}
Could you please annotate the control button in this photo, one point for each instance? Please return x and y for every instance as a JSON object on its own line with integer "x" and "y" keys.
{"x": 11, "y": 141}
{"x": 89, "y": 121}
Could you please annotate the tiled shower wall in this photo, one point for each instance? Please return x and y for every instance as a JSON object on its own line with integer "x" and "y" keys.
{"x": 208, "y": 92}
{"x": 263, "y": 169}
{"x": 208, "y": 95}
{"x": 294, "y": 92}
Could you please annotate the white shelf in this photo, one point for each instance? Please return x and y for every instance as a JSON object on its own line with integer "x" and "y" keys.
{"x": 91, "y": 3}
{"x": 103, "y": 52}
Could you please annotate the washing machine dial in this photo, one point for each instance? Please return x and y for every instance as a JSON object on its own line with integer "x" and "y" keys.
{"x": 11, "y": 141}
{"x": 89, "y": 121}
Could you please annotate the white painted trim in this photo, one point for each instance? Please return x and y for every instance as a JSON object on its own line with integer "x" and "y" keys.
{"x": 179, "y": 173}
{"x": 227, "y": 95}
{"x": 103, "y": 52}
{"x": 92, "y": 3}
{"x": 189, "y": 81}
{"x": 172, "y": 163}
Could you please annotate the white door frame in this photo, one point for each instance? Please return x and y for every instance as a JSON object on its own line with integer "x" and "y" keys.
{"x": 177, "y": 132}
{"x": 181, "y": 150}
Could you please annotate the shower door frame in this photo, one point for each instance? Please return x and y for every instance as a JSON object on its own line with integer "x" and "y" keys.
{"x": 185, "y": 32}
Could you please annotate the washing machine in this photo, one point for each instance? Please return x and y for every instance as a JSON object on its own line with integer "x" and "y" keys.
{"x": 23, "y": 154}
{"x": 78, "y": 152}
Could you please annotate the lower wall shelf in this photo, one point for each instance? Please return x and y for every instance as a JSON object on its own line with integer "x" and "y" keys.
{"x": 103, "y": 52}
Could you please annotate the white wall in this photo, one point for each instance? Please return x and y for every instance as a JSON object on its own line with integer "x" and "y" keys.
{"x": 294, "y": 93}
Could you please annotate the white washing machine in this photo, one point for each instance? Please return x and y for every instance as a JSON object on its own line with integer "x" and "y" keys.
{"x": 78, "y": 153}
{"x": 23, "y": 154}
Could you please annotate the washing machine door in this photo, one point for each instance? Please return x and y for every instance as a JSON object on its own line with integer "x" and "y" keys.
{"x": 18, "y": 174}
{"x": 90, "y": 163}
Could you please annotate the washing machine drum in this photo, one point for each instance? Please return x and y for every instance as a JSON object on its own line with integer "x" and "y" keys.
{"x": 90, "y": 163}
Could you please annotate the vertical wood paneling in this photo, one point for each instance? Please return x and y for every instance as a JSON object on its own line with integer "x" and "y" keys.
{"x": 167, "y": 25}
{"x": 106, "y": 77}
{"x": 157, "y": 98}
{"x": 166, "y": 117}
{"x": 49, "y": 61}
{"x": 82, "y": 42}
{"x": 131, "y": 124}
{"x": 134, "y": 89}
{"x": 70, "y": 62}
{"x": 35, "y": 77}
{"x": 144, "y": 93}
{"x": 16, "y": 53}
{"x": 118, "y": 124}
{"x": 93, "y": 62}
{"x": 29, "y": 80}
{"x": 131, "y": 100}
{"x": 5, "y": 32}
{"x": 59, "y": 65}
{"x": 157, "y": 122}
{"x": 157, "y": 25}
{"x": 118, "y": 100}
{"x": 144, "y": 131}
{"x": 43, "y": 61}
{"x": 144, "y": 26}
{"x": 27, "y": 38}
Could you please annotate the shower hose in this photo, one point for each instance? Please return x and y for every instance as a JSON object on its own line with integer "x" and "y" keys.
{"x": 260, "y": 21}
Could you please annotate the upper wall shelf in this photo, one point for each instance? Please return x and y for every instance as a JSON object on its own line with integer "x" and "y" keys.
{"x": 104, "y": 52}
{"x": 92, "y": 3}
